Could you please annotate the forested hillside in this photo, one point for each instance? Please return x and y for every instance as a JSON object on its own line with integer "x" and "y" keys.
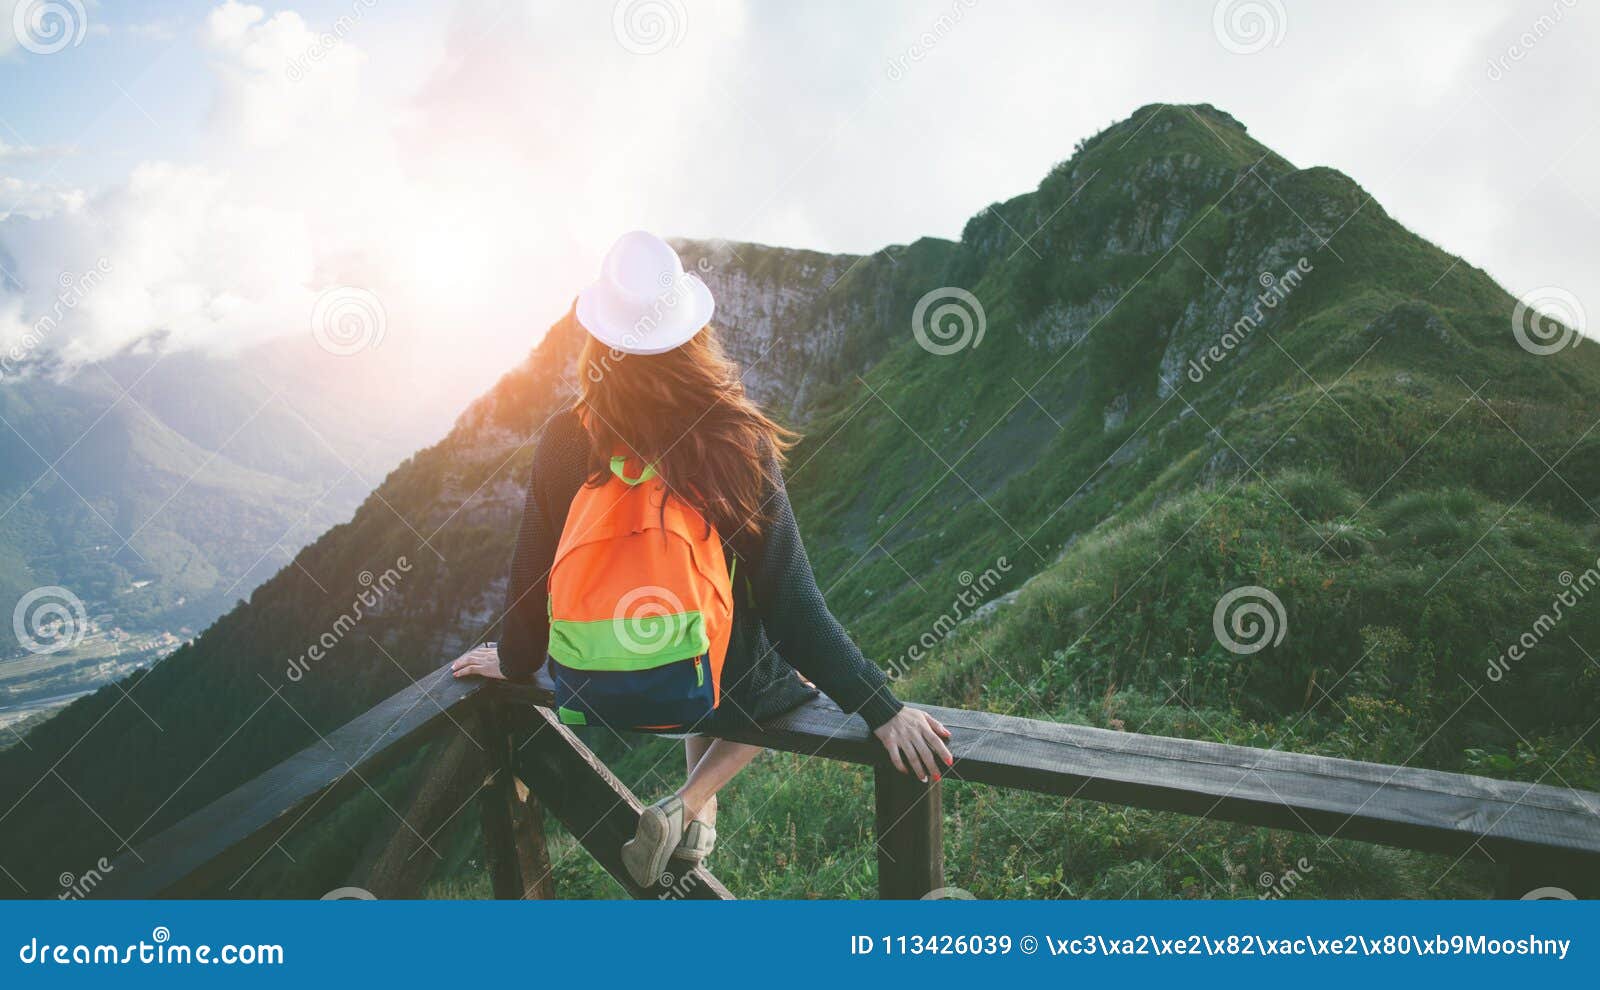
{"x": 1180, "y": 368}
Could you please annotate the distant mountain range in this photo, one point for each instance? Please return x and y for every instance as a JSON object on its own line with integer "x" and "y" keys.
{"x": 1040, "y": 465}
{"x": 158, "y": 489}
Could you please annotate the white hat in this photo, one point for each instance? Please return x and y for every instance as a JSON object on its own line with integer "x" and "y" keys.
{"x": 644, "y": 302}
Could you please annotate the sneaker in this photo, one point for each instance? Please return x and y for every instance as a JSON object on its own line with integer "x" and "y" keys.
{"x": 658, "y": 833}
{"x": 698, "y": 841}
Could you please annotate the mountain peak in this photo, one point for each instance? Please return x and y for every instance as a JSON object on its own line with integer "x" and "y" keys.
{"x": 1159, "y": 129}
{"x": 1177, "y": 333}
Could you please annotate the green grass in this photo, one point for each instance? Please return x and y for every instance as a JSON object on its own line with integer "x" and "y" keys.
{"x": 1380, "y": 455}
{"x": 1375, "y": 457}
{"x": 1150, "y": 664}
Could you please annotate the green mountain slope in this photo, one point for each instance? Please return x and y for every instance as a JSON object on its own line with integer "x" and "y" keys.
{"x": 159, "y": 489}
{"x": 102, "y": 493}
{"x": 1040, "y": 522}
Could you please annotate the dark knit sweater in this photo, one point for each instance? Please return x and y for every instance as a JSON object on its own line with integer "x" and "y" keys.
{"x": 780, "y": 622}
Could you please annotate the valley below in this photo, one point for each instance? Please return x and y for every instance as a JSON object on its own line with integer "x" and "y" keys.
{"x": 34, "y": 687}
{"x": 1181, "y": 373}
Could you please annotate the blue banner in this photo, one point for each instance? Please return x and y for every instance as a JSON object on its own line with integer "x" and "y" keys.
{"x": 795, "y": 943}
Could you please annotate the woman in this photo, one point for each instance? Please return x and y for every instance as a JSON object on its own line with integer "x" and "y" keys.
{"x": 657, "y": 388}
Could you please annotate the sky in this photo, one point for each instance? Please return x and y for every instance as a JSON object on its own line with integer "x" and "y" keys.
{"x": 446, "y": 176}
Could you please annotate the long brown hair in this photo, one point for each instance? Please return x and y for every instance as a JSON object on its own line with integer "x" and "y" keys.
{"x": 686, "y": 413}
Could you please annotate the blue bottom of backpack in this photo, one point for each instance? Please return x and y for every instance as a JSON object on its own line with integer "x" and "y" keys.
{"x": 672, "y": 697}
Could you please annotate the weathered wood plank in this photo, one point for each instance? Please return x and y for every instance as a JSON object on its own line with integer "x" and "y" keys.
{"x": 1556, "y": 829}
{"x": 1410, "y": 808}
{"x": 596, "y": 807}
{"x": 909, "y": 824}
{"x": 210, "y": 851}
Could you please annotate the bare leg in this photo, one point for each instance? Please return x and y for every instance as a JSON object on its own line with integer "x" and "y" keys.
{"x": 694, "y": 748}
{"x": 720, "y": 763}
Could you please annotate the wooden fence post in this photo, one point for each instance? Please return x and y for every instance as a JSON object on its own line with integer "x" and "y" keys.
{"x": 1542, "y": 837}
{"x": 910, "y": 829}
{"x": 513, "y": 822}
{"x": 527, "y": 824}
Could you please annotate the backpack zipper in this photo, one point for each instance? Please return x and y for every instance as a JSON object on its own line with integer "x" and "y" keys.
{"x": 699, "y": 673}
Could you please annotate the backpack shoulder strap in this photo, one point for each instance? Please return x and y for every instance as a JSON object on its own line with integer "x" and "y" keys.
{"x": 734, "y": 584}
{"x": 619, "y": 467}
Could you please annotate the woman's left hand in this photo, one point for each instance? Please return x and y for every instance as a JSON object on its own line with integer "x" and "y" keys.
{"x": 916, "y": 743}
{"x": 479, "y": 663}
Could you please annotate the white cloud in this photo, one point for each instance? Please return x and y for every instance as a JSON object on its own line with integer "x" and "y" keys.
{"x": 33, "y": 200}
{"x": 32, "y": 153}
{"x": 278, "y": 81}
{"x": 220, "y": 254}
{"x": 470, "y": 168}
{"x": 473, "y": 196}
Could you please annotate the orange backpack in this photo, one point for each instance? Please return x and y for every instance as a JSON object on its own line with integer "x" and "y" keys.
{"x": 641, "y": 607}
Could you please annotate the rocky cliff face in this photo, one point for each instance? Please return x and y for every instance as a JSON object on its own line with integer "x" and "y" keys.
{"x": 800, "y": 321}
{"x": 797, "y": 321}
{"x": 1169, "y": 239}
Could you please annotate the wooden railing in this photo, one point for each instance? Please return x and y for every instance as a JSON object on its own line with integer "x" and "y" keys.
{"x": 1540, "y": 836}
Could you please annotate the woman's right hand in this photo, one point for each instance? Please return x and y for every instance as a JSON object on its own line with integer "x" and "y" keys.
{"x": 915, "y": 741}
